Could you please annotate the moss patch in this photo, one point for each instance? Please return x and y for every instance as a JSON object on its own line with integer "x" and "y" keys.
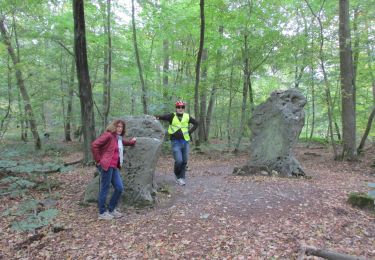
{"x": 361, "y": 200}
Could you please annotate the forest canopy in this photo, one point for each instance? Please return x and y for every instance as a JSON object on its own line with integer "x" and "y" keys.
{"x": 251, "y": 48}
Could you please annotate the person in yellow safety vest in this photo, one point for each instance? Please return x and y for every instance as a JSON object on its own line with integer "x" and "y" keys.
{"x": 180, "y": 136}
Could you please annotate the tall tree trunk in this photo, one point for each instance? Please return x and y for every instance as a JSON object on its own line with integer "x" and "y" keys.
{"x": 143, "y": 85}
{"x": 217, "y": 81}
{"x": 326, "y": 82}
{"x": 166, "y": 70}
{"x": 198, "y": 65}
{"x": 246, "y": 76}
{"x": 63, "y": 73}
{"x": 203, "y": 98}
{"x": 347, "y": 92}
{"x": 367, "y": 131}
{"x": 21, "y": 85}
{"x": 312, "y": 104}
{"x": 24, "y": 121}
{"x": 229, "y": 116}
{"x": 355, "y": 53}
{"x": 68, "y": 120}
{"x": 85, "y": 92}
{"x": 132, "y": 109}
{"x": 372, "y": 115}
{"x": 6, "y": 119}
{"x": 107, "y": 77}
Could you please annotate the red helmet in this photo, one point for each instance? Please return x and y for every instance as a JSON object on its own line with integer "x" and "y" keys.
{"x": 180, "y": 103}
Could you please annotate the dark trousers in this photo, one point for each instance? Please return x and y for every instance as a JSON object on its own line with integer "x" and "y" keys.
{"x": 180, "y": 149}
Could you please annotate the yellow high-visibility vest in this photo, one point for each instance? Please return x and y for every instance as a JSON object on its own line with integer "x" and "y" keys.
{"x": 183, "y": 125}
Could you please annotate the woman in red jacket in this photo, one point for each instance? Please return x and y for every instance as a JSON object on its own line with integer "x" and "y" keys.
{"x": 108, "y": 152}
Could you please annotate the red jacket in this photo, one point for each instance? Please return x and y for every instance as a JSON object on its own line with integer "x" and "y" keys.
{"x": 104, "y": 147}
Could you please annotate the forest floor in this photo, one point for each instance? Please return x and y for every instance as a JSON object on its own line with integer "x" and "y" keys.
{"x": 215, "y": 216}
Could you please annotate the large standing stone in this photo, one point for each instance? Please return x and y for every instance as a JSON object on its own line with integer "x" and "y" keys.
{"x": 140, "y": 162}
{"x": 275, "y": 127}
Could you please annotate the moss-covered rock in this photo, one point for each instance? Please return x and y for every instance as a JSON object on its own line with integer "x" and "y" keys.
{"x": 361, "y": 200}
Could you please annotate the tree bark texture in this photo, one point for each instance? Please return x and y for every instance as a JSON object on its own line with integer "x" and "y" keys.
{"x": 203, "y": 98}
{"x": 367, "y": 131}
{"x": 347, "y": 91}
{"x": 217, "y": 82}
{"x": 165, "y": 69}
{"x": 143, "y": 85}
{"x": 68, "y": 125}
{"x": 21, "y": 85}
{"x": 198, "y": 64}
{"x": 326, "y": 254}
{"x": 326, "y": 82}
{"x": 107, "y": 77}
{"x": 85, "y": 91}
{"x": 245, "y": 89}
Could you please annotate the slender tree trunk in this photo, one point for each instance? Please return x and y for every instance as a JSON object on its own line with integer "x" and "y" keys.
{"x": 143, "y": 85}
{"x": 355, "y": 53}
{"x": 347, "y": 92}
{"x": 6, "y": 119}
{"x": 246, "y": 75}
{"x": 85, "y": 92}
{"x": 203, "y": 98}
{"x": 68, "y": 128}
{"x": 107, "y": 77}
{"x": 63, "y": 73}
{"x": 198, "y": 65}
{"x": 372, "y": 115}
{"x": 367, "y": 131}
{"x": 132, "y": 109}
{"x": 166, "y": 70}
{"x": 326, "y": 82}
{"x": 231, "y": 96}
{"x": 21, "y": 85}
{"x": 217, "y": 81}
{"x": 312, "y": 104}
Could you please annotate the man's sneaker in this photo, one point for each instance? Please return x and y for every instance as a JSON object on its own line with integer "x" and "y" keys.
{"x": 116, "y": 213}
{"x": 105, "y": 216}
{"x": 181, "y": 182}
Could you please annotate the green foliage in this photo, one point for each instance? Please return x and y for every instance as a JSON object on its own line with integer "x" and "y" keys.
{"x": 283, "y": 39}
{"x": 7, "y": 164}
{"x": 314, "y": 139}
{"x": 32, "y": 219}
{"x": 15, "y": 186}
{"x": 29, "y": 166}
{"x": 35, "y": 221}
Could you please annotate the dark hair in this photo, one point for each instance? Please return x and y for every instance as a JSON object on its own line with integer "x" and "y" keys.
{"x": 112, "y": 127}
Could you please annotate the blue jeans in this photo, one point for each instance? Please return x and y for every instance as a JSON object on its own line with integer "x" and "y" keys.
{"x": 180, "y": 149}
{"x": 106, "y": 178}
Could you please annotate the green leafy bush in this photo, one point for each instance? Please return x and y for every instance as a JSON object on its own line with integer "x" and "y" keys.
{"x": 15, "y": 186}
{"x": 32, "y": 216}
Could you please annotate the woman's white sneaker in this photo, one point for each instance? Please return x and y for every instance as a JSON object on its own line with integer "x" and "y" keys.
{"x": 116, "y": 213}
{"x": 105, "y": 216}
{"x": 181, "y": 182}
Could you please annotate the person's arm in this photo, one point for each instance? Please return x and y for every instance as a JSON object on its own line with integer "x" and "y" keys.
{"x": 195, "y": 125}
{"x": 131, "y": 142}
{"x": 98, "y": 144}
{"x": 166, "y": 117}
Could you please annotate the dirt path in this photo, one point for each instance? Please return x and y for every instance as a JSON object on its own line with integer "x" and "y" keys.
{"x": 216, "y": 215}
